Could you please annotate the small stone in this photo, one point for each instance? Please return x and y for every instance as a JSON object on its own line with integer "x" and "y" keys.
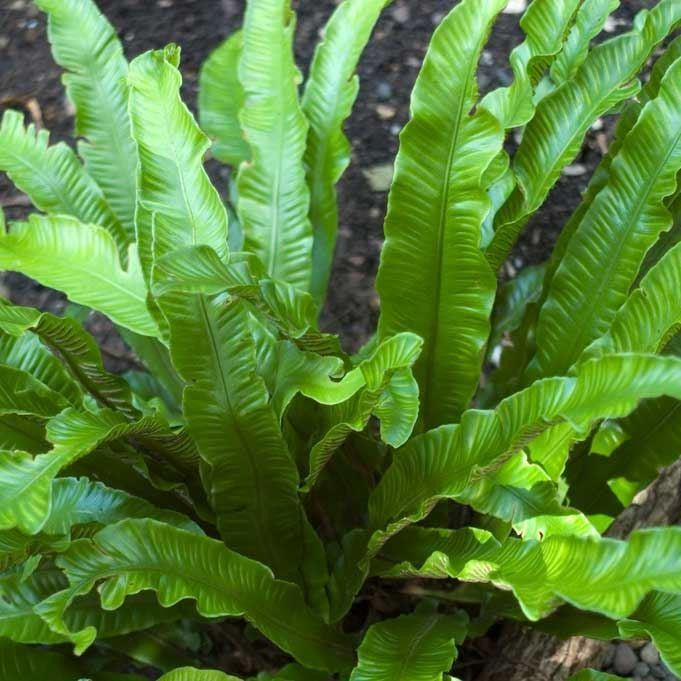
{"x": 610, "y": 652}
{"x": 386, "y": 112}
{"x": 516, "y": 7}
{"x": 487, "y": 58}
{"x": 383, "y": 90}
{"x": 401, "y": 13}
{"x": 437, "y": 18}
{"x": 18, "y": 5}
{"x": 641, "y": 670}
{"x": 625, "y": 659}
{"x": 649, "y": 654}
{"x": 4, "y": 42}
{"x": 379, "y": 176}
{"x": 395, "y": 129}
{"x": 575, "y": 170}
{"x": 164, "y": 4}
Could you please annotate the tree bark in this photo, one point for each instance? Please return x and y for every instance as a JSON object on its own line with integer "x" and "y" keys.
{"x": 525, "y": 654}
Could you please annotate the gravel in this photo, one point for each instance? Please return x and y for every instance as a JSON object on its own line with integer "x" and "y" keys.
{"x": 625, "y": 660}
{"x": 649, "y": 654}
{"x": 638, "y": 660}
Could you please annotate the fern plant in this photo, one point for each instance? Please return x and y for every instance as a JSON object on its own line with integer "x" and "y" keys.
{"x": 256, "y": 471}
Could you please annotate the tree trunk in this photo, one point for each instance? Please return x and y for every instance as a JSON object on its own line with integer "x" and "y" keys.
{"x": 528, "y": 655}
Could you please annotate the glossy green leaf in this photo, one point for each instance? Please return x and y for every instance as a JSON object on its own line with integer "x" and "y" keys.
{"x": 251, "y": 477}
{"x": 554, "y": 136}
{"x": 34, "y": 664}
{"x": 273, "y": 195}
{"x": 191, "y": 674}
{"x": 444, "y": 461}
{"x": 435, "y": 212}
{"x": 417, "y": 647}
{"x": 330, "y": 93}
{"x": 27, "y": 353}
{"x": 82, "y": 261}
{"x": 382, "y": 385}
{"x": 20, "y": 622}
{"x": 545, "y": 24}
{"x": 524, "y": 495}
{"x": 221, "y": 97}
{"x": 26, "y": 489}
{"x": 593, "y": 675}
{"x": 589, "y": 22}
{"x": 651, "y": 313}
{"x": 53, "y": 177}
{"x": 141, "y": 555}
{"x": 659, "y": 617}
{"x": 173, "y": 185}
{"x": 86, "y": 45}
{"x": 607, "y": 576}
{"x": 22, "y": 394}
{"x": 77, "y": 350}
{"x": 621, "y": 224}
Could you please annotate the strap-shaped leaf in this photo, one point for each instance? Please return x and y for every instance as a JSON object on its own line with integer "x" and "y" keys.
{"x": 79, "y": 505}
{"x": 82, "y": 261}
{"x": 198, "y": 269}
{"x": 27, "y": 353}
{"x": 589, "y": 22}
{"x": 444, "y": 462}
{"x": 417, "y": 647}
{"x": 385, "y": 389}
{"x": 22, "y": 394}
{"x": 252, "y": 479}
{"x": 435, "y": 212}
{"x": 53, "y": 177}
{"x": 273, "y": 195}
{"x": 19, "y": 622}
{"x": 86, "y": 45}
{"x": 445, "y": 459}
{"x": 221, "y": 97}
{"x": 601, "y": 175}
{"x": 607, "y": 576}
{"x": 32, "y": 664}
{"x": 22, "y": 433}
{"x": 77, "y": 350}
{"x": 142, "y": 554}
{"x": 659, "y": 617}
{"x": 26, "y": 489}
{"x": 650, "y": 315}
{"x": 554, "y": 136}
{"x": 621, "y": 224}
{"x": 651, "y": 440}
{"x": 173, "y": 184}
{"x": 330, "y": 93}
{"x": 545, "y": 24}
{"x": 524, "y": 495}
{"x": 191, "y": 674}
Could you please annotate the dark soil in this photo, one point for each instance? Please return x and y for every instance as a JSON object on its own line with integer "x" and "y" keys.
{"x": 30, "y": 80}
